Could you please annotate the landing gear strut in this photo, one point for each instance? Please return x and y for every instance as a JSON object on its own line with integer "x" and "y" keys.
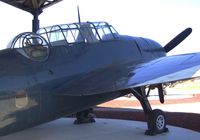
{"x": 156, "y": 120}
{"x": 85, "y": 116}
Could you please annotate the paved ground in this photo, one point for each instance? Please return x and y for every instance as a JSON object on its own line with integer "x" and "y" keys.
{"x": 103, "y": 129}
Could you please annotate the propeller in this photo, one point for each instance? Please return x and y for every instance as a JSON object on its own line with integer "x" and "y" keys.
{"x": 178, "y": 39}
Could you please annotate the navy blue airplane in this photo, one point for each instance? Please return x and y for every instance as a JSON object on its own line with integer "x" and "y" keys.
{"x": 70, "y": 68}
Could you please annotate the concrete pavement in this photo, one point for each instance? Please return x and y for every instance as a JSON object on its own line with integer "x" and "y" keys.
{"x": 103, "y": 129}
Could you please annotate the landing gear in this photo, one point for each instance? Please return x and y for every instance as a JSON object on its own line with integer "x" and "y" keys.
{"x": 85, "y": 116}
{"x": 156, "y": 120}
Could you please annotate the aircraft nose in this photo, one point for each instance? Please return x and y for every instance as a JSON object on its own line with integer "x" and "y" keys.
{"x": 147, "y": 47}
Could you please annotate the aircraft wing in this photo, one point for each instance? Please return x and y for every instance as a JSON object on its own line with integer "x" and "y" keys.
{"x": 166, "y": 69}
{"x": 162, "y": 70}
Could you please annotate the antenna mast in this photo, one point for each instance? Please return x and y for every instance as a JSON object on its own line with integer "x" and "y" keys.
{"x": 79, "y": 17}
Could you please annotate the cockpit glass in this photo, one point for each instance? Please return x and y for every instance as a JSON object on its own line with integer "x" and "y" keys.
{"x": 31, "y": 45}
{"x": 86, "y": 32}
{"x": 35, "y": 46}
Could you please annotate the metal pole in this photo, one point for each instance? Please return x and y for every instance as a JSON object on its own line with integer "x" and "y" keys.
{"x": 36, "y": 21}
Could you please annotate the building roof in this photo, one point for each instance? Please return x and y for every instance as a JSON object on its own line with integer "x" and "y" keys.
{"x": 31, "y": 5}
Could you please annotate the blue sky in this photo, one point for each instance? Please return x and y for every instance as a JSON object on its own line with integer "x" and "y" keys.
{"x": 160, "y": 20}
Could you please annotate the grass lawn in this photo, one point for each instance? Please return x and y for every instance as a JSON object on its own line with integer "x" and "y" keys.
{"x": 188, "y": 85}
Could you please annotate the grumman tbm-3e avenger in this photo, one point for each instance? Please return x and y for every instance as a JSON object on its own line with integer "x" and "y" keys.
{"x": 70, "y": 68}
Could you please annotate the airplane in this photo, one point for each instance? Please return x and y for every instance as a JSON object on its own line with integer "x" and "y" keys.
{"x": 70, "y": 68}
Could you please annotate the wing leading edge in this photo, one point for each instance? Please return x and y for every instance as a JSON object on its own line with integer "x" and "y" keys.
{"x": 166, "y": 69}
{"x": 162, "y": 70}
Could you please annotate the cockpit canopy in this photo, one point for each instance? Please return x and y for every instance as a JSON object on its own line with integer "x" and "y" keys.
{"x": 35, "y": 46}
{"x": 31, "y": 45}
{"x": 87, "y": 32}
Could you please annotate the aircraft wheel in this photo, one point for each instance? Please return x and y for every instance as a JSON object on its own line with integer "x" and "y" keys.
{"x": 156, "y": 122}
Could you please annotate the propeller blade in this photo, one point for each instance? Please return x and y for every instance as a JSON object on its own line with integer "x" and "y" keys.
{"x": 178, "y": 39}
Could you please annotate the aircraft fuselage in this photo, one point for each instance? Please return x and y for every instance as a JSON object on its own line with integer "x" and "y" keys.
{"x": 34, "y": 92}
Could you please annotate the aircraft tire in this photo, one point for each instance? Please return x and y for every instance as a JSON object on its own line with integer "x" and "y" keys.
{"x": 156, "y": 122}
